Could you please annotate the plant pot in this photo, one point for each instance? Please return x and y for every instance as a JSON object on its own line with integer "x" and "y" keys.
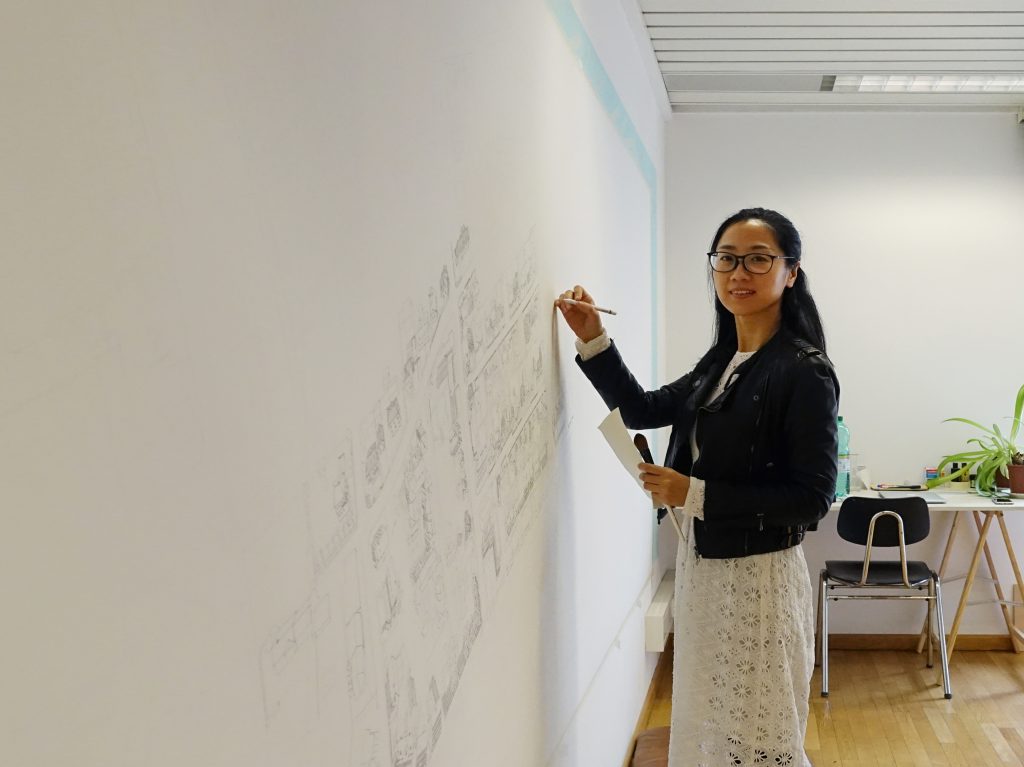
{"x": 1016, "y": 477}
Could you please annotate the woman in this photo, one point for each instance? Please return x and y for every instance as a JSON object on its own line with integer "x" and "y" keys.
{"x": 750, "y": 467}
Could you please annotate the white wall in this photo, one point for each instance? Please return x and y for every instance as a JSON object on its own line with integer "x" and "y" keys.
{"x": 911, "y": 226}
{"x": 299, "y": 473}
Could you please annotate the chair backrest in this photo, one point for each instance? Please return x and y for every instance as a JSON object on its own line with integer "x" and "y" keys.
{"x": 855, "y": 517}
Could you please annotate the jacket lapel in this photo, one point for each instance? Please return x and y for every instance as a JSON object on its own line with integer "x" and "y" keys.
{"x": 738, "y": 373}
{"x": 724, "y": 397}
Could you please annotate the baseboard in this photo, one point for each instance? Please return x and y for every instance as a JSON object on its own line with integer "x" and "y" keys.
{"x": 664, "y": 667}
{"x": 976, "y": 642}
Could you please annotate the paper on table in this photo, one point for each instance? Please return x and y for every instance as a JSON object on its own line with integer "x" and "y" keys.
{"x": 614, "y": 431}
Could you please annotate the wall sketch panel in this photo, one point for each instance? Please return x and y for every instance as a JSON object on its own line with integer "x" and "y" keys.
{"x": 286, "y": 398}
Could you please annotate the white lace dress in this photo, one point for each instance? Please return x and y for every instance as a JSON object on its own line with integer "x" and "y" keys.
{"x": 744, "y": 644}
{"x": 744, "y": 650}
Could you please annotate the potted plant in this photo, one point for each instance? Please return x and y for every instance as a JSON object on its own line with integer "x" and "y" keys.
{"x": 997, "y": 461}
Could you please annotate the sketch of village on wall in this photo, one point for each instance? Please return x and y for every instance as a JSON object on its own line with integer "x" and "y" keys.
{"x": 417, "y": 517}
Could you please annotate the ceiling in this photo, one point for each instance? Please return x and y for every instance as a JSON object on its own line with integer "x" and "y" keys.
{"x": 735, "y": 54}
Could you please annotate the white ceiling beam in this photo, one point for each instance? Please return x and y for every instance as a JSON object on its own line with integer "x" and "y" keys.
{"x": 827, "y": 99}
{"x": 825, "y": 6}
{"x": 927, "y": 57}
{"x": 886, "y": 44}
{"x": 770, "y": 20}
{"x": 839, "y": 33}
{"x": 847, "y": 67}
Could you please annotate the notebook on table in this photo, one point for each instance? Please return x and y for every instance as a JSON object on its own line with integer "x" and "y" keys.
{"x": 928, "y": 495}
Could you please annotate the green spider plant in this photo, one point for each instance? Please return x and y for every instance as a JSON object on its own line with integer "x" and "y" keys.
{"x": 994, "y": 452}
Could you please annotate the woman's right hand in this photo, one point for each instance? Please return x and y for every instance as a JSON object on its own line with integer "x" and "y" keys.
{"x": 582, "y": 320}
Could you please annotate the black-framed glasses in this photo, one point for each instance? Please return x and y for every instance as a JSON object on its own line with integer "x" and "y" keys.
{"x": 755, "y": 263}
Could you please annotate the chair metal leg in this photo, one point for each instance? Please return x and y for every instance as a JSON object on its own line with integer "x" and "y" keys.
{"x": 824, "y": 636}
{"x": 928, "y": 621}
{"x": 817, "y": 621}
{"x": 942, "y": 637}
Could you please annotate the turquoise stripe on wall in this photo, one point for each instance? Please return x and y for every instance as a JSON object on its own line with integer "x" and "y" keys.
{"x": 605, "y": 91}
{"x": 578, "y": 40}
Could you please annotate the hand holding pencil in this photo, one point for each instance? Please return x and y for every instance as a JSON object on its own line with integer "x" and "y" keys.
{"x": 580, "y": 314}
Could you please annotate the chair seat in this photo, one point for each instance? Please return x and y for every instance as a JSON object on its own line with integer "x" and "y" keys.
{"x": 879, "y": 573}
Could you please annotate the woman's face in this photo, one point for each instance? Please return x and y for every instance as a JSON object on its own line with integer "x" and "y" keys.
{"x": 753, "y": 295}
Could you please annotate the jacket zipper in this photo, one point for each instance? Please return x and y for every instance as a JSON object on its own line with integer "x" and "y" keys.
{"x": 757, "y": 436}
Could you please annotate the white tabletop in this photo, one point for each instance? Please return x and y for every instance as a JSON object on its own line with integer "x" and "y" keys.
{"x": 955, "y": 501}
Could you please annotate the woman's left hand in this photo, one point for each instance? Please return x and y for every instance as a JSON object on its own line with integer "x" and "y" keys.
{"x": 668, "y": 487}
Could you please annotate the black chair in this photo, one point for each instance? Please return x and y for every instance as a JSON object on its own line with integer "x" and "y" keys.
{"x": 874, "y": 522}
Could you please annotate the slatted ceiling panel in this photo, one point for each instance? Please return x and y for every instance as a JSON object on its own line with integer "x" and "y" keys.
{"x": 704, "y": 48}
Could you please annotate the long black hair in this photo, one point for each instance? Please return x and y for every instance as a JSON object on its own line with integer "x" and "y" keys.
{"x": 799, "y": 312}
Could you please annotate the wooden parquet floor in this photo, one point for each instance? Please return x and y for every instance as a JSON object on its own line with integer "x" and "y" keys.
{"x": 886, "y": 709}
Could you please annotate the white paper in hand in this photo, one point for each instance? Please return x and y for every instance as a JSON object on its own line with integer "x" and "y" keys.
{"x": 614, "y": 431}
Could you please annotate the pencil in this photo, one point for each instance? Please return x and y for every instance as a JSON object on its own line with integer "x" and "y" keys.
{"x": 574, "y": 302}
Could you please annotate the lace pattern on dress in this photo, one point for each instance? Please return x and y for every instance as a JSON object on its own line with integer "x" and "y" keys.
{"x": 694, "y": 505}
{"x": 744, "y": 654}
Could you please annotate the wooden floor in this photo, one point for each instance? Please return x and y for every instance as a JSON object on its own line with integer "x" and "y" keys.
{"x": 886, "y": 709}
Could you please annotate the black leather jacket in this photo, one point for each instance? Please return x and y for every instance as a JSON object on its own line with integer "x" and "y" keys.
{"x": 768, "y": 443}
